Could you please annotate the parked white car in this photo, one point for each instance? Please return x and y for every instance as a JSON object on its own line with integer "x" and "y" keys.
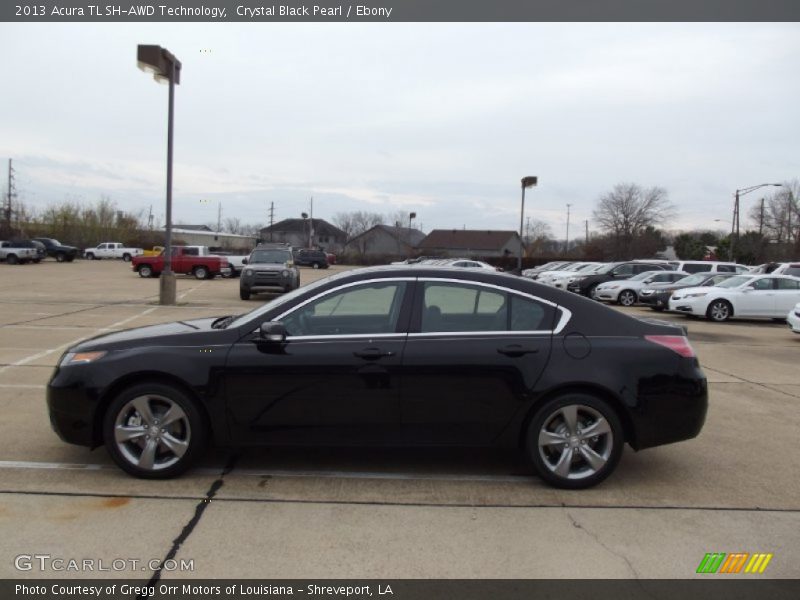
{"x": 761, "y": 296}
{"x": 793, "y": 318}
{"x": 465, "y": 263}
{"x": 626, "y": 291}
{"x": 112, "y": 250}
{"x": 549, "y": 277}
{"x": 563, "y": 278}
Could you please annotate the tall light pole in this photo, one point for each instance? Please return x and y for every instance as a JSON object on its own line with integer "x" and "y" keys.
{"x": 529, "y": 181}
{"x": 165, "y": 69}
{"x": 567, "y": 244}
{"x": 411, "y": 216}
{"x": 735, "y": 221}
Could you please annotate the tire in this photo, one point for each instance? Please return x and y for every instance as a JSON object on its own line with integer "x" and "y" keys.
{"x": 719, "y": 311}
{"x": 244, "y": 294}
{"x": 658, "y": 308}
{"x": 315, "y": 265}
{"x": 37, "y": 260}
{"x": 142, "y": 443}
{"x": 12, "y": 259}
{"x": 145, "y": 271}
{"x": 201, "y": 273}
{"x": 126, "y": 257}
{"x": 91, "y": 256}
{"x": 61, "y": 257}
{"x": 560, "y": 438}
{"x": 590, "y": 292}
{"x": 627, "y": 298}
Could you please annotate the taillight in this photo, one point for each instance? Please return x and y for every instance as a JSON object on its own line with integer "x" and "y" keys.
{"x": 676, "y": 343}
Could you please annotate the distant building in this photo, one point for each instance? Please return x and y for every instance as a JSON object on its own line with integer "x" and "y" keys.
{"x": 192, "y": 227}
{"x": 470, "y": 243}
{"x": 300, "y": 233}
{"x": 384, "y": 240}
{"x": 203, "y": 236}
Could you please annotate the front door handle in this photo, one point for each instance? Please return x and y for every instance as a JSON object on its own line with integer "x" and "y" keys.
{"x": 515, "y": 350}
{"x": 372, "y": 354}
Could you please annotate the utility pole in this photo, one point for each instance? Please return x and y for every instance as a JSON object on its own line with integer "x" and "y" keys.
{"x": 219, "y": 216}
{"x": 761, "y": 219}
{"x": 311, "y": 224}
{"x": 271, "y": 218}
{"x": 567, "y": 244}
{"x": 587, "y": 231}
{"x": 150, "y": 218}
{"x": 11, "y": 193}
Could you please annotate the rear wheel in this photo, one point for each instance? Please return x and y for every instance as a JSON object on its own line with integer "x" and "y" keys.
{"x": 315, "y": 265}
{"x": 12, "y": 259}
{"x": 627, "y": 298}
{"x": 90, "y": 256}
{"x": 126, "y": 257}
{"x": 200, "y": 273}
{"x": 719, "y": 311}
{"x": 153, "y": 431}
{"x": 575, "y": 441}
{"x": 61, "y": 257}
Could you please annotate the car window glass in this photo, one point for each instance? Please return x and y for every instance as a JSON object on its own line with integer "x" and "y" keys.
{"x": 788, "y": 284}
{"x": 363, "y": 309}
{"x": 726, "y": 269}
{"x": 455, "y": 307}
{"x": 795, "y": 271}
{"x": 528, "y": 315}
{"x": 623, "y": 270}
{"x": 696, "y": 267}
{"x": 762, "y": 284}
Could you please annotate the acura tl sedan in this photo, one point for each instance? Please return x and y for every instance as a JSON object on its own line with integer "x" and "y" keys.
{"x": 759, "y": 296}
{"x": 390, "y": 356}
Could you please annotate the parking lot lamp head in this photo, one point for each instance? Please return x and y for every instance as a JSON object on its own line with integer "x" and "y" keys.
{"x": 165, "y": 68}
{"x": 529, "y": 181}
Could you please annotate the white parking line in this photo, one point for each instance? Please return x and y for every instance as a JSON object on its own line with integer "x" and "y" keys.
{"x": 22, "y": 386}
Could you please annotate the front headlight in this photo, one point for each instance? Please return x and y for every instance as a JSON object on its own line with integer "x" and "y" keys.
{"x": 577, "y": 279}
{"x": 696, "y": 295}
{"x": 248, "y": 272}
{"x": 284, "y": 273}
{"x": 80, "y": 358}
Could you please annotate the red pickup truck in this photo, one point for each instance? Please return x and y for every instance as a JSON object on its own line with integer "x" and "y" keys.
{"x": 188, "y": 260}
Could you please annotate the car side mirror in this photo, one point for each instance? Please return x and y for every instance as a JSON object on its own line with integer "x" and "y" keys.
{"x": 244, "y": 261}
{"x": 273, "y": 332}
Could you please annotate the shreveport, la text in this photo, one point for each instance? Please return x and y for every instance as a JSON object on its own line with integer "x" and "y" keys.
{"x": 164, "y": 589}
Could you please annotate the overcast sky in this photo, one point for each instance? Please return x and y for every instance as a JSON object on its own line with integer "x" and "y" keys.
{"x": 439, "y": 119}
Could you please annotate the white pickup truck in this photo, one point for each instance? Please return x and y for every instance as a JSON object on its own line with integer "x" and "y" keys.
{"x": 112, "y": 250}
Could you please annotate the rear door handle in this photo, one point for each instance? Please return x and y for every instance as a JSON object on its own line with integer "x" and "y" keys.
{"x": 372, "y": 354}
{"x": 515, "y": 350}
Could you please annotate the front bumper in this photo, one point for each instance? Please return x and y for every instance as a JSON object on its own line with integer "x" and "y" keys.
{"x": 659, "y": 300}
{"x": 794, "y": 320}
{"x": 606, "y": 295}
{"x": 72, "y": 409}
{"x": 268, "y": 281}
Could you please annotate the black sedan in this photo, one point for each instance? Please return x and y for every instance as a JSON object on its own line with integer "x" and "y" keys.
{"x": 396, "y": 356}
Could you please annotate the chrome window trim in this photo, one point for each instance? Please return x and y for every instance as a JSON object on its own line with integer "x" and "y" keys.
{"x": 566, "y": 314}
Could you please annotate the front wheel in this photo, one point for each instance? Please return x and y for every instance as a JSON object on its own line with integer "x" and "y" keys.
{"x": 627, "y": 298}
{"x": 575, "y": 441}
{"x": 244, "y": 294}
{"x": 126, "y": 257}
{"x": 90, "y": 256}
{"x": 145, "y": 271}
{"x": 153, "y": 431}
{"x": 201, "y": 273}
{"x": 61, "y": 257}
{"x": 719, "y": 311}
{"x": 12, "y": 259}
{"x": 315, "y": 266}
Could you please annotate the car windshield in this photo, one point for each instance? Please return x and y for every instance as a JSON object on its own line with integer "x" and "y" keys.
{"x": 695, "y": 279}
{"x": 269, "y": 256}
{"x": 606, "y": 268}
{"x": 735, "y": 281}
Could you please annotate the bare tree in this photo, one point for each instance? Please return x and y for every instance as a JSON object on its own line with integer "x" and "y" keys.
{"x": 628, "y": 210}
{"x": 233, "y": 225}
{"x": 344, "y": 221}
{"x": 779, "y": 216}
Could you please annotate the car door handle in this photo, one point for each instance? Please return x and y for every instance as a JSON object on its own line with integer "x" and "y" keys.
{"x": 372, "y": 354}
{"x": 515, "y": 350}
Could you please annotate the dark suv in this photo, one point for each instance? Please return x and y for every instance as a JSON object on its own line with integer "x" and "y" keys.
{"x": 586, "y": 284}
{"x": 58, "y": 250}
{"x": 311, "y": 258}
{"x": 268, "y": 269}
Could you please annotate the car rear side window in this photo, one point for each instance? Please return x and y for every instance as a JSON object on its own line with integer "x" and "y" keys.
{"x": 788, "y": 284}
{"x": 697, "y": 267}
{"x": 453, "y": 307}
{"x": 793, "y": 270}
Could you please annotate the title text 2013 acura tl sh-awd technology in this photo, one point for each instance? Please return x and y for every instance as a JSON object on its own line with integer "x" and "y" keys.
{"x": 393, "y": 356}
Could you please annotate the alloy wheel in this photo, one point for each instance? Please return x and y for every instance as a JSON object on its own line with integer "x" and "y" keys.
{"x": 627, "y": 298}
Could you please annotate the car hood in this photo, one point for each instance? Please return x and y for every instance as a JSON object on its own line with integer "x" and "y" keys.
{"x": 155, "y": 334}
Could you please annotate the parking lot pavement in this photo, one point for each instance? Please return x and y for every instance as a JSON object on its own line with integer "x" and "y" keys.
{"x": 387, "y": 513}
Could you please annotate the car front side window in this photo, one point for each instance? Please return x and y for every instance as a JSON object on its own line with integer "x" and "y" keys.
{"x": 372, "y": 308}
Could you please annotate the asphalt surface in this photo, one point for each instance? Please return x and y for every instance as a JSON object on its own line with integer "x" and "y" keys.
{"x": 278, "y": 513}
